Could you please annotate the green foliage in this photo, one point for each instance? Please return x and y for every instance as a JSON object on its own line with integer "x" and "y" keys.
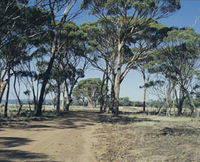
{"x": 177, "y": 58}
{"x": 89, "y": 86}
{"x": 147, "y": 7}
{"x": 124, "y": 101}
{"x": 89, "y": 89}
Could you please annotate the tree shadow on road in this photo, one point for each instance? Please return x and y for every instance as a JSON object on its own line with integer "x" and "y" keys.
{"x": 82, "y": 119}
{"x": 7, "y": 155}
{"x": 13, "y": 141}
{"x": 125, "y": 119}
{"x": 10, "y": 155}
{"x": 79, "y": 120}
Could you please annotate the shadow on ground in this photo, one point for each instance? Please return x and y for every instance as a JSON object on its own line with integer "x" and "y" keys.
{"x": 124, "y": 119}
{"x": 13, "y": 141}
{"x": 75, "y": 120}
{"x": 8, "y": 155}
{"x": 81, "y": 119}
{"x": 179, "y": 131}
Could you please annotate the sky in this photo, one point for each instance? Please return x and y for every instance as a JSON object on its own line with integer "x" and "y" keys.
{"x": 186, "y": 16}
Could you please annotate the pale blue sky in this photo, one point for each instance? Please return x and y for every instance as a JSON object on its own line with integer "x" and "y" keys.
{"x": 186, "y": 16}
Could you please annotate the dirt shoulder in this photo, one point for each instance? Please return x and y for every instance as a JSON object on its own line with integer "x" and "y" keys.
{"x": 67, "y": 138}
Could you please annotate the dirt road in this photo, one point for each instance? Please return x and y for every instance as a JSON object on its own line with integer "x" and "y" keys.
{"x": 70, "y": 138}
{"x": 90, "y": 137}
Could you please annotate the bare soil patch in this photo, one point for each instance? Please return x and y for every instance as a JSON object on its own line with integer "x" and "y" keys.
{"x": 66, "y": 138}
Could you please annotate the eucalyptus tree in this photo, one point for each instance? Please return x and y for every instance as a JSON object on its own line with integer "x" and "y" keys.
{"x": 177, "y": 61}
{"x": 196, "y": 89}
{"x": 20, "y": 32}
{"x": 123, "y": 20}
{"x": 152, "y": 38}
{"x": 60, "y": 12}
{"x": 57, "y": 77}
{"x": 69, "y": 65}
{"x": 90, "y": 89}
{"x": 72, "y": 59}
{"x": 10, "y": 15}
{"x": 10, "y": 12}
{"x": 3, "y": 79}
{"x": 13, "y": 53}
{"x": 100, "y": 48}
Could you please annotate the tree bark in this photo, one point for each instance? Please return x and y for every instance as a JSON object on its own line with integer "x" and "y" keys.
{"x": 44, "y": 83}
{"x": 111, "y": 107}
{"x": 191, "y": 103}
{"x": 69, "y": 101}
{"x": 180, "y": 103}
{"x": 17, "y": 95}
{"x": 63, "y": 97}
{"x": 7, "y": 96}
{"x": 58, "y": 99}
{"x": 118, "y": 78}
{"x": 180, "y": 107}
{"x": 103, "y": 91}
{"x": 3, "y": 85}
{"x": 35, "y": 98}
{"x": 106, "y": 94}
{"x": 90, "y": 102}
{"x": 144, "y": 99}
{"x": 145, "y": 91}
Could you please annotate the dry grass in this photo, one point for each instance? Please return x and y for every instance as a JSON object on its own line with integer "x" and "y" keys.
{"x": 142, "y": 138}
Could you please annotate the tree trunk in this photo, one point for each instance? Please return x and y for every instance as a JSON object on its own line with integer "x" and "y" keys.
{"x": 90, "y": 102}
{"x": 58, "y": 99}
{"x": 145, "y": 80}
{"x": 116, "y": 99}
{"x": 111, "y": 107}
{"x": 102, "y": 93}
{"x": 144, "y": 99}
{"x": 7, "y": 96}
{"x": 17, "y": 95}
{"x": 106, "y": 94}
{"x": 37, "y": 96}
{"x": 118, "y": 78}
{"x": 191, "y": 103}
{"x": 180, "y": 107}
{"x": 181, "y": 101}
{"x": 35, "y": 99}
{"x": 63, "y": 97}
{"x": 29, "y": 103}
{"x": 69, "y": 101}
{"x": 102, "y": 103}
{"x": 44, "y": 83}
{"x": 67, "y": 107}
{"x": 3, "y": 85}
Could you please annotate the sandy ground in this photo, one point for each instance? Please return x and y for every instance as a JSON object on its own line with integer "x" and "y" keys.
{"x": 69, "y": 138}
